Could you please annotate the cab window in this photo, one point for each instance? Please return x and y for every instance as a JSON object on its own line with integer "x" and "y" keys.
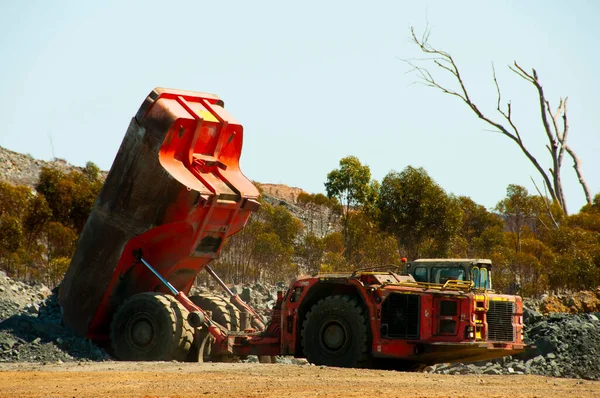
{"x": 443, "y": 275}
{"x": 484, "y": 279}
{"x": 475, "y": 277}
{"x": 420, "y": 274}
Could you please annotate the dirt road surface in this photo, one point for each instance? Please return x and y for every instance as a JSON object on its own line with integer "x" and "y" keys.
{"x": 172, "y": 379}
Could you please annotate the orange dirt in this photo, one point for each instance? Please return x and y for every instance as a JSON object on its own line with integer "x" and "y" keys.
{"x": 172, "y": 379}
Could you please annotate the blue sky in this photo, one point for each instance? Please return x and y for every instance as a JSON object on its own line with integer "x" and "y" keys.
{"x": 311, "y": 82}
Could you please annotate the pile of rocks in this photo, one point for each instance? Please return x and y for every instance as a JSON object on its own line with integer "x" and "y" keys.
{"x": 260, "y": 296}
{"x": 17, "y": 297}
{"x": 566, "y": 345}
{"x": 31, "y": 327}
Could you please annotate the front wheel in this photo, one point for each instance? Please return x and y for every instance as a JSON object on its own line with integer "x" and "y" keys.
{"x": 334, "y": 333}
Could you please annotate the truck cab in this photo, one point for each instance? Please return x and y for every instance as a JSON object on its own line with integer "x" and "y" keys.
{"x": 440, "y": 271}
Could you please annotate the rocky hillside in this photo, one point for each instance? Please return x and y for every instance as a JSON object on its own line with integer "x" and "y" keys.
{"x": 20, "y": 169}
{"x": 281, "y": 192}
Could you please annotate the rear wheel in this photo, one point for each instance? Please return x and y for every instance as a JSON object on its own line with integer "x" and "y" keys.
{"x": 201, "y": 339}
{"x": 222, "y": 312}
{"x": 334, "y": 333}
{"x": 151, "y": 327}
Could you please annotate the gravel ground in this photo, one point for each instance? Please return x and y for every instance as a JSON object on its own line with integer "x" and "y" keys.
{"x": 172, "y": 379}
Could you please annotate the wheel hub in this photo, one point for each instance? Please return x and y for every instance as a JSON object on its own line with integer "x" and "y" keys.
{"x": 141, "y": 331}
{"x": 334, "y": 336}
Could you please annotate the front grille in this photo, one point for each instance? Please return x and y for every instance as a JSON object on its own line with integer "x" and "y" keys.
{"x": 400, "y": 316}
{"x": 499, "y": 320}
{"x": 447, "y": 326}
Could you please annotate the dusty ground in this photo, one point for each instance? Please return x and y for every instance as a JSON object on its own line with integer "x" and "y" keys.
{"x": 171, "y": 379}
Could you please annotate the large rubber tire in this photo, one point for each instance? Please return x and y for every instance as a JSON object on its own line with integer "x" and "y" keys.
{"x": 151, "y": 327}
{"x": 201, "y": 339}
{"x": 334, "y": 333}
{"x": 224, "y": 313}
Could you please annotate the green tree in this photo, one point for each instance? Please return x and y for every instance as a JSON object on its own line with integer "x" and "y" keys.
{"x": 281, "y": 222}
{"x": 577, "y": 265}
{"x": 236, "y": 261}
{"x": 91, "y": 171}
{"x": 272, "y": 257}
{"x": 11, "y": 234}
{"x": 11, "y": 245}
{"x": 418, "y": 212}
{"x": 372, "y": 247}
{"x": 38, "y": 215}
{"x": 334, "y": 262}
{"x": 520, "y": 211}
{"x": 38, "y": 231}
{"x": 263, "y": 249}
{"x": 311, "y": 250}
{"x": 350, "y": 185}
{"x": 594, "y": 207}
{"x": 588, "y": 218}
{"x": 55, "y": 271}
{"x": 334, "y": 243}
{"x": 70, "y": 196}
{"x": 60, "y": 241}
{"x": 14, "y": 199}
{"x": 476, "y": 220}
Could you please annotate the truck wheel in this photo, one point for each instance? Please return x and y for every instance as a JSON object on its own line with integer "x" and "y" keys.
{"x": 224, "y": 313}
{"x": 151, "y": 327}
{"x": 201, "y": 339}
{"x": 334, "y": 333}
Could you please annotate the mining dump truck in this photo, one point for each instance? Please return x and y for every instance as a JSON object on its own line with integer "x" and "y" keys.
{"x": 174, "y": 194}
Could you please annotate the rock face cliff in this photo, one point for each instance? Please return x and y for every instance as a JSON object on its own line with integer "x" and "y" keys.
{"x": 281, "y": 192}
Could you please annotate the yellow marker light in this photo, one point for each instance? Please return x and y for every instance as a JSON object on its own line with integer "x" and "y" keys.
{"x": 207, "y": 116}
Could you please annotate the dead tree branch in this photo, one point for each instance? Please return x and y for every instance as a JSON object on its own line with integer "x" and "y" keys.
{"x": 555, "y": 131}
{"x": 546, "y": 205}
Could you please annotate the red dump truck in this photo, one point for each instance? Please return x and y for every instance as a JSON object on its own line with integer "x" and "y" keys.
{"x": 174, "y": 194}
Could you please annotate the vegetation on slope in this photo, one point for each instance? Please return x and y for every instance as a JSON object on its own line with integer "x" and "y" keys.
{"x": 361, "y": 223}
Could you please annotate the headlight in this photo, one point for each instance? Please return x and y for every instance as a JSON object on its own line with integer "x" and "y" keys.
{"x": 470, "y": 332}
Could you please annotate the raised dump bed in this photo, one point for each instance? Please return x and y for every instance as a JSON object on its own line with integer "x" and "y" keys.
{"x": 173, "y": 194}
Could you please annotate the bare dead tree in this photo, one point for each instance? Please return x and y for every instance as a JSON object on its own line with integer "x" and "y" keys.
{"x": 555, "y": 123}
